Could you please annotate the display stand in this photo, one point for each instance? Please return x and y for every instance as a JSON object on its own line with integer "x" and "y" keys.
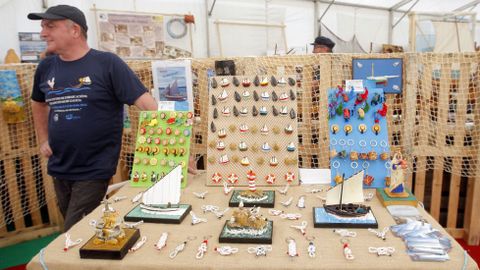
{"x": 163, "y": 142}
{"x": 107, "y": 251}
{"x": 252, "y": 126}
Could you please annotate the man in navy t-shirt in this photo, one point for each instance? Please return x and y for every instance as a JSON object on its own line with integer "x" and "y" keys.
{"x": 77, "y": 105}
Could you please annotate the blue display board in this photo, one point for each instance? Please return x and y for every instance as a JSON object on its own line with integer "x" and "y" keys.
{"x": 358, "y": 142}
{"x": 387, "y": 73}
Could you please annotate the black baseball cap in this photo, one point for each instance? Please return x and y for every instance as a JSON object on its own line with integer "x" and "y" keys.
{"x": 62, "y": 12}
{"x": 321, "y": 40}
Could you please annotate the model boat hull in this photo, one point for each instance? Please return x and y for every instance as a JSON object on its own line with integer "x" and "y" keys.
{"x": 347, "y": 210}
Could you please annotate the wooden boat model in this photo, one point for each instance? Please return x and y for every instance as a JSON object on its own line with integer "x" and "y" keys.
{"x": 172, "y": 93}
{"x": 343, "y": 199}
{"x": 164, "y": 195}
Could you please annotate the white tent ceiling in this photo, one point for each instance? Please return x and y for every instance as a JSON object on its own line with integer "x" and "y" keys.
{"x": 421, "y": 6}
{"x": 367, "y": 20}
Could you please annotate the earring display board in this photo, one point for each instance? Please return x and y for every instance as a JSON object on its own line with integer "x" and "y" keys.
{"x": 163, "y": 142}
{"x": 358, "y": 135}
{"x": 252, "y": 126}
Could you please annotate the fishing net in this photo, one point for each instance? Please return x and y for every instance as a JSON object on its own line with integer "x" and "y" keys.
{"x": 434, "y": 122}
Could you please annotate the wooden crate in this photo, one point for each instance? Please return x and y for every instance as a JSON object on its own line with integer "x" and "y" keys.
{"x": 28, "y": 207}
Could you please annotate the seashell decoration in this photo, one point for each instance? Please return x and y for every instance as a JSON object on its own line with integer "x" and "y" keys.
{"x": 236, "y": 82}
{"x": 214, "y": 83}
{"x": 273, "y": 81}
{"x": 256, "y": 81}
{"x": 237, "y": 97}
{"x": 255, "y": 96}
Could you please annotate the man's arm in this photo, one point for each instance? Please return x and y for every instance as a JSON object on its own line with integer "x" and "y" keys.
{"x": 40, "y": 119}
{"x": 146, "y": 102}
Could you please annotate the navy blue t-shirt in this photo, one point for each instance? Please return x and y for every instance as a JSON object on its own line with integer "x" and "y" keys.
{"x": 85, "y": 122}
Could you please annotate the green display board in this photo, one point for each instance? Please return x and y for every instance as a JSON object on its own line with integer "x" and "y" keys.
{"x": 163, "y": 142}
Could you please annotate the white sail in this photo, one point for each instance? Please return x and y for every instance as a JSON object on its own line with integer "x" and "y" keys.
{"x": 352, "y": 190}
{"x": 166, "y": 190}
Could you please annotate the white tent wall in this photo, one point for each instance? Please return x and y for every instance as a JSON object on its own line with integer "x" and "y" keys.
{"x": 13, "y": 16}
{"x": 368, "y": 24}
{"x": 260, "y": 40}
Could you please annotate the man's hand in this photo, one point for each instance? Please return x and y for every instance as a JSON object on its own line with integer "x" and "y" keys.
{"x": 192, "y": 165}
{"x": 45, "y": 149}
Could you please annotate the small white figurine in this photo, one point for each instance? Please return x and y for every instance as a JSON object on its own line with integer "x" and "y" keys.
{"x": 138, "y": 245}
{"x": 137, "y": 197}
{"x": 347, "y": 252}
{"x": 311, "y": 250}
{"x": 380, "y": 234}
{"x": 200, "y": 195}
{"x": 162, "y": 242}
{"x": 195, "y": 219}
{"x": 259, "y": 250}
{"x": 302, "y": 227}
{"x": 301, "y": 202}
{"x": 284, "y": 190}
{"x": 202, "y": 249}
{"x": 382, "y": 251}
{"x": 287, "y": 202}
{"x": 132, "y": 225}
{"x": 69, "y": 243}
{"x": 226, "y": 189}
{"x": 226, "y": 250}
{"x": 315, "y": 190}
{"x": 119, "y": 198}
{"x": 368, "y": 197}
{"x": 291, "y": 216}
{"x": 292, "y": 247}
{"x": 345, "y": 233}
{"x": 274, "y": 212}
{"x": 220, "y": 214}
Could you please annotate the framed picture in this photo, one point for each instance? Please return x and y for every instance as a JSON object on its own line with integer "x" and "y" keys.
{"x": 387, "y": 73}
{"x": 172, "y": 81}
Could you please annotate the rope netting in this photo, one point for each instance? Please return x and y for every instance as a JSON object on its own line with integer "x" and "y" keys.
{"x": 434, "y": 122}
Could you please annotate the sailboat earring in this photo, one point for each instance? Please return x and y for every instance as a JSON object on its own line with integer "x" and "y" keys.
{"x": 338, "y": 178}
{"x": 354, "y": 166}
{"x": 384, "y": 155}
{"x": 388, "y": 179}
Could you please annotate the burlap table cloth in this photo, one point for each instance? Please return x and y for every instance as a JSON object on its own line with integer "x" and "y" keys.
{"x": 329, "y": 248}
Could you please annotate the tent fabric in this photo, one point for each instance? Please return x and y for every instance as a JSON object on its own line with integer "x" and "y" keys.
{"x": 342, "y": 46}
{"x": 453, "y": 37}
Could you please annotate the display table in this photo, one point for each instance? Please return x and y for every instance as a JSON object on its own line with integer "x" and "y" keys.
{"x": 329, "y": 248}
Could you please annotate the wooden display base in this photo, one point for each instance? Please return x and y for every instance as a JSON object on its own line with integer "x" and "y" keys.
{"x": 267, "y": 202}
{"x": 386, "y": 199}
{"x": 174, "y": 217}
{"x": 322, "y": 219}
{"x": 265, "y": 238}
{"x": 403, "y": 194}
{"x": 108, "y": 251}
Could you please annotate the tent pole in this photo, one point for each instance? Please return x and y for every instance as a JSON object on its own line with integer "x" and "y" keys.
{"x": 207, "y": 28}
{"x": 316, "y": 23}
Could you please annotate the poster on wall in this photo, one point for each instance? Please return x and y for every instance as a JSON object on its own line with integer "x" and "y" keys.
{"x": 31, "y": 46}
{"x": 172, "y": 81}
{"x": 131, "y": 35}
{"x": 11, "y": 97}
{"x": 386, "y": 73}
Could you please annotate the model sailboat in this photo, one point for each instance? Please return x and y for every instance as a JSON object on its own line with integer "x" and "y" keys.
{"x": 172, "y": 92}
{"x": 164, "y": 195}
{"x": 343, "y": 199}
{"x": 161, "y": 202}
